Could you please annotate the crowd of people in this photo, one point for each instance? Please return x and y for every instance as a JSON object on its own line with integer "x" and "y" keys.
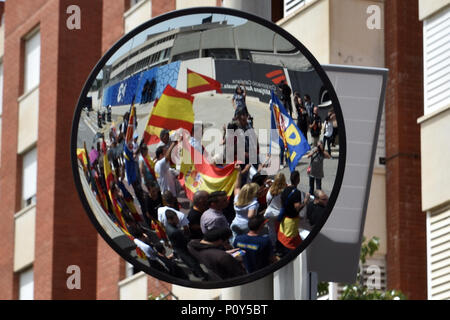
{"x": 309, "y": 121}
{"x": 221, "y": 236}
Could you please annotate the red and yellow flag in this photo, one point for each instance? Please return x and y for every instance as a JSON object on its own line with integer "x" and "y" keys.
{"x": 197, "y": 82}
{"x": 81, "y": 155}
{"x": 109, "y": 176}
{"x": 204, "y": 176}
{"x": 159, "y": 229}
{"x": 131, "y": 124}
{"x": 150, "y": 164}
{"x": 288, "y": 233}
{"x": 101, "y": 196}
{"x": 173, "y": 110}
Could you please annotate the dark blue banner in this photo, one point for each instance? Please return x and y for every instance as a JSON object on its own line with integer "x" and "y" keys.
{"x": 146, "y": 86}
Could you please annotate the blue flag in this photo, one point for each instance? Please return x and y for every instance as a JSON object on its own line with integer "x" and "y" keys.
{"x": 130, "y": 164}
{"x": 291, "y": 139}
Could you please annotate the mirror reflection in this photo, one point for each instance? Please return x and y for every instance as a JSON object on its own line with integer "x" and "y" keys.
{"x": 208, "y": 147}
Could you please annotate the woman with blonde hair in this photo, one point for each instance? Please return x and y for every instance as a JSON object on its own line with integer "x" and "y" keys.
{"x": 274, "y": 205}
{"x": 245, "y": 205}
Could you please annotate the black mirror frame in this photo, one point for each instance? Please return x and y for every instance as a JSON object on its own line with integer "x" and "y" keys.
{"x": 339, "y": 174}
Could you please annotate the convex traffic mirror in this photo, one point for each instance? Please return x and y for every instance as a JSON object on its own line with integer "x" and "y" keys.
{"x": 208, "y": 147}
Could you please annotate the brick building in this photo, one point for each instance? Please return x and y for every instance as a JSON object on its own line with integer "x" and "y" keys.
{"x": 44, "y": 65}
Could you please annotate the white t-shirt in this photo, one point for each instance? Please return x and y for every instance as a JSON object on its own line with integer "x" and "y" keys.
{"x": 274, "y": 205}
{"x": 181, "y": 216}
{"x": 328, "y": 129}
{"x": 165, "y": 177}
{"x": 161, "y": 144}
{"x": 242, "y": 212}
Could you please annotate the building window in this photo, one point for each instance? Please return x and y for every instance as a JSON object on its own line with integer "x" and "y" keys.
{"x": 26, "y": 285}
{"x": 220, "y": 53}
{"x": 167, "y": 53}
{"x": 436, "y": 54}
{"x": 29, "y": 178}
{"x": 32, "y": 61}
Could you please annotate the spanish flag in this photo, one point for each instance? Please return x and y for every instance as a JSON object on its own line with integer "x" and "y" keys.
{"x": 116, "y": 207}
{"x": 197, "y": 82}
{"x": 101, "y": 196}
{"x": 203, "y": 176}
{"x": 131, "y": 124}
{"x": 150, "y": 164}
{"x": 139, "y": 252}
{"x": 159, "y": 229}
{"x": 173, "y": 110}
{"x": 288, "y": 233}
{"x": 81, "y": 155}
{"x": 109, "y": 176}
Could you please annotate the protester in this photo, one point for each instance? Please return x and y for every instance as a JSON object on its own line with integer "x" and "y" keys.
{"x": 164, "y": 137}
{"x": 333, "y": 120}
{"x": 251, "y": 149}
{"x": 238, "y": 99}
{"x": 166, "y": 179}
{"x": 316, "y": 209}
{"x": 143, "y": 244}
{"x": 245, "y": 205}
{"x": 210, "y": 251}
{"x": 288, "y": 233}
{"x": 153, "y": 199}
{"x": 309, "y": 106}
{"x": 302, "y": 115}
{"x": 264, "y": 184}
{"x": 286, "y": 96}
{"x": 327, "y": 134}
{"x": 171, "y": 203}
{"x": 258, "y": 249}
{"x": 315, "y": 126}
{"x": 213, "y": 218}
{"x": 179, "y": 244}
{"x": 316, "y": 174}
{"x": 174, "y": 269}
{"x": 146, "y": 172}
{"x": 200, "y": 205}
{"x": 274, "y": 205}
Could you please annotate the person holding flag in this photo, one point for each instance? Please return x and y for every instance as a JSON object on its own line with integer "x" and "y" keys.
{"x": 130, "y": 154}
{"x": 291, "y": 140}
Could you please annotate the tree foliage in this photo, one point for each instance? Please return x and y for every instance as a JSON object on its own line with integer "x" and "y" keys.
{"x": 359, "y": 290}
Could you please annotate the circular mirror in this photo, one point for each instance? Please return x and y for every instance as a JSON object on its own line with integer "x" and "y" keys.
{"x": 208, "y": 147}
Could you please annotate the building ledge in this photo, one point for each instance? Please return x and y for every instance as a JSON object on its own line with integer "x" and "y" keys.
{"x": 429, "y": 8}
{"x": 131, "y": 279}
{"x": 433, "y": 114}
{"x": 27, "y": 94}
{"x": 135, "y": 8}
{"x": 24, "y": 211}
